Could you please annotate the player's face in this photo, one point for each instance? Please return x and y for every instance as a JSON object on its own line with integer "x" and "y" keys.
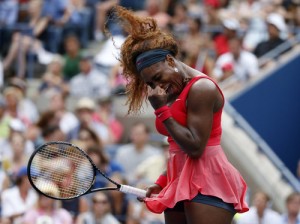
{"x": 162, "y": 74}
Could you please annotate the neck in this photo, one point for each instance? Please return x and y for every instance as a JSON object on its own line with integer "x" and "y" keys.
{"x": 47, "y": 209}
{"x": 98, "y": 214}
{"x": 292, "y": 216}
{"x": 23, "y": 192}
{"x": 260, "y": 213}
{"x": 139, "y": 147}
{"x": 73, "y": 54}
{"x": 17, "y": 158}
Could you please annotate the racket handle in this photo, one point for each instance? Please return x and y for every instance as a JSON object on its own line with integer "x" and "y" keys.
{"x": 133, "y": 190}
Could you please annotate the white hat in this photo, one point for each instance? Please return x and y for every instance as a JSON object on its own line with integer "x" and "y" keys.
{"x": 277, "y": 20}
{"x": 85, "y": 103}
{"x": 17, "y": 125}
{"x": 231, "y": 24}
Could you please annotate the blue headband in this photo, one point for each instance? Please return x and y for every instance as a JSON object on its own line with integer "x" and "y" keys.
{"x": 150, "y": 57}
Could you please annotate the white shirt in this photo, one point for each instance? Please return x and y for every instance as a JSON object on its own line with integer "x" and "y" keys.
{"x": 245, "y": 67}
{"x": 88, "y": 217}
{"x": 13, "y": 204}
{"x": 285, "y": 219}
{"x": 251, "y": 217}
{"x": 93, "y": 85}
{"x": 6, "y": 151}
{"x": 68, "y": 122}
{"x": 129, "y": 158}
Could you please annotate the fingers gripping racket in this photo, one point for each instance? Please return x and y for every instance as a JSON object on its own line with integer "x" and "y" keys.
{"x": 61, "y": 170}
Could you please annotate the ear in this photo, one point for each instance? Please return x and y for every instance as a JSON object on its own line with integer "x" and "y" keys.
{"x": 170, "y": 60}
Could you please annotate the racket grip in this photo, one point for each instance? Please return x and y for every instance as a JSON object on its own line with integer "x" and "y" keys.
{"x": 133, "y": 190}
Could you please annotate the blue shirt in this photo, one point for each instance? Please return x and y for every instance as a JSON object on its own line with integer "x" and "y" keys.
{"x": 8, "y": 12}
{"x": 54, "y": 9}
{"x": 112, "y": 167}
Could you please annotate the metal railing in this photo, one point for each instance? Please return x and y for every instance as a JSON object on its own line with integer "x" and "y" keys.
{"x": 280, "y": 49}
{"x": 263, "y": 146}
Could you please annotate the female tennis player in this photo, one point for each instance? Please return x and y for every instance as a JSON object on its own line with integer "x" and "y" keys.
{"x": 199, "y": 186}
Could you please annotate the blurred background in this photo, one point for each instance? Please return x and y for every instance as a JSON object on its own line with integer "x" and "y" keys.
{"x": 60, "y": 80}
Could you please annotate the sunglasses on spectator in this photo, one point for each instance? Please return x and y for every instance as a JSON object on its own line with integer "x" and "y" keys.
{"x": 95, "y": 201}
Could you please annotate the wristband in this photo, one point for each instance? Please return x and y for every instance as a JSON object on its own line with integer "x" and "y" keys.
{"x": 162, "y": 181}
{"x": 163, "y": 113}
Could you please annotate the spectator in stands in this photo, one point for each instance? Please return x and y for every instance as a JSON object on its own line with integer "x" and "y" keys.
{"x": 4, "y": 181}
{"x": 253, "y": 27}
{"x": 179, "y": 21}
{"x": 138, "y": 150}
{"x": 79, "y": 21}
{"x": 230, "y": 30}
{"x": 47, "y": 209}
{"x": 19, "y": 156}
{"x": 117, "y": 81}
{"x": 237, "y": 62}
{"x": 67, "y": 119}
{"x": 196, "y": 47}
{"x": 121, "y": 205}
{"x": 142, "y": 214}
{"x": 75, "y": 207}
{"x": 106, "y": 58}
{"x": 153, "y": 8}
{"x": 8, "y": 12}
{"x": 292, "y": 215}
{"x": 105, "y": 114}
{"x": 15, "y": 149}
{"x": 56, "y": 11}
{"x": 4, "y": 119}
{"x": 18, "y": 199}
{"x": 260, "y": 213}
{"x": 151, "y": 168}
{"x": 211, "y": 13}
{"x": 8, "y": 17}
{"x": 58, "y": 14}
{"x": 85, "y": 110}
{"x": 89, "y": 138}
{"x": 276, "y": 25}
{"x": 104, "y": 163}
{"x": 89, "y": 82}
{"x": 18, "y": 104}
{"x": 52, "y": 133}
{"x": 100, "y": 211}
{"x": 34, "y": 132}
{"x": 23, "y": 40}
{"x": 53, "y": 77}
{"x": 103, "y": 7}
{"x": 71, "y": 57}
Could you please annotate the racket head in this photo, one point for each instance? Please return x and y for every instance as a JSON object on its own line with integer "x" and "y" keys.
{"x": 61, "y": 170}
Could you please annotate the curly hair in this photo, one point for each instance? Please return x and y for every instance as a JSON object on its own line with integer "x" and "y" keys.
{"x": 143, "y": 35}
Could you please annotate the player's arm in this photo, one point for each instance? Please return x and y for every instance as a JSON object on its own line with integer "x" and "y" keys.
{"x": 201, "y": 104}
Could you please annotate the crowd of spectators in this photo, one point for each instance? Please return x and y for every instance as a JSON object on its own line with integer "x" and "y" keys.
{"x": 65, "y": 47}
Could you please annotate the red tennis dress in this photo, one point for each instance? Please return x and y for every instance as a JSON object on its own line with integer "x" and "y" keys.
{"x": 212, "y": 174}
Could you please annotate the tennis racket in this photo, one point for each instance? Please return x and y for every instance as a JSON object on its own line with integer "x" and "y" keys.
{"x": 61, "y": 170}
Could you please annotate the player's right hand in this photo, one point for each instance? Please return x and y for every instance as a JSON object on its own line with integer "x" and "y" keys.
{"x": 153, "y": 189}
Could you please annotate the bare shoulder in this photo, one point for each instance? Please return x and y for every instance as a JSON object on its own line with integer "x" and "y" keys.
{"x": 205, "y": 91}
{"x": 204, "y": 85}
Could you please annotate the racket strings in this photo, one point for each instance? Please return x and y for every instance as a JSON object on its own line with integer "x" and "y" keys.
{"x": 62, "y": 170}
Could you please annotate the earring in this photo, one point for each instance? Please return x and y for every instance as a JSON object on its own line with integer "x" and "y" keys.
{"x": 176, "y": 69}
